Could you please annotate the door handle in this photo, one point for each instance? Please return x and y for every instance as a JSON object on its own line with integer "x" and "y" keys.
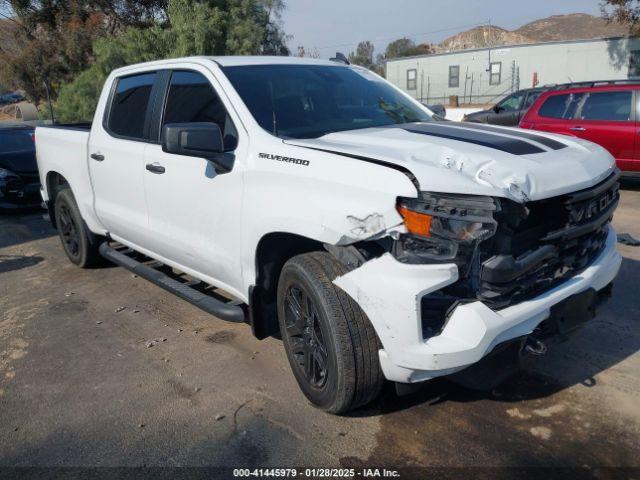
{"x": 155, "y": 167}
{"x": 97, "y": 156}
{"x": 578, "y": 129}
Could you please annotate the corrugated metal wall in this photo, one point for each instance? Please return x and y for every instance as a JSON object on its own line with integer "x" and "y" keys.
{"x": 558, "y": 62}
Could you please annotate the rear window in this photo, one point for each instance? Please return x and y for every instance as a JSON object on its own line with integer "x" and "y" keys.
{"x": 608, "y": 106}
{"x": 16, "y": 141}
{"x": 561, "y": 106}
{"x": 129, "y": 105}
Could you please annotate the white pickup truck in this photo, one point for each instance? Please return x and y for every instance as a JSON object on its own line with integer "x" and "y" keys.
{"x": 316, "y": 201}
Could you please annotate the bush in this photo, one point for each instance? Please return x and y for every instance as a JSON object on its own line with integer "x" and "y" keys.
{"x": 77, "y": 100}
{"x": 205, "y": 27}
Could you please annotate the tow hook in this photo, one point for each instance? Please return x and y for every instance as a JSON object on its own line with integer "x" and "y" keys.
{"x": 535, "y": 347}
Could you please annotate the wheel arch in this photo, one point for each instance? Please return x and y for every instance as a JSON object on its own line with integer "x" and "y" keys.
{"x": 272, "y": 252}
{"x": 55, "y": 183}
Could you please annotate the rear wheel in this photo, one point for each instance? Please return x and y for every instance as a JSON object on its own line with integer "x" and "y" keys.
{"x": 80, "y": 244}
{"x": 330, "y": 344}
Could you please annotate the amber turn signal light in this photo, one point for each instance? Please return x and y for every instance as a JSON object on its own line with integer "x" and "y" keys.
{"x": 416, "y": 223}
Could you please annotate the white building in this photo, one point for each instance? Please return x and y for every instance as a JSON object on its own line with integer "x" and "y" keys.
{"x": 485, "y": 75}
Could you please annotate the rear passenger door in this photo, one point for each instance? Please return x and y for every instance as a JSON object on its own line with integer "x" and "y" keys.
{"x": 116, "y": 165}
{"x": 194, "y": 211}
{"x": 557, "y": 113}
{"x": 607, "y": 117}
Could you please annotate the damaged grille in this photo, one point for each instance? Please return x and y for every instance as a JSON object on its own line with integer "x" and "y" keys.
{"x": 541, "y": 244}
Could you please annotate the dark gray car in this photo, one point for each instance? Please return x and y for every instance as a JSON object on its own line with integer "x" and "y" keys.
{"x": 508, "y": 111}
{"x": 19, "y": 180}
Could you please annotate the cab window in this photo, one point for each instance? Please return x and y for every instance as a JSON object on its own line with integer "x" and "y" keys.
{"x": 130, "y": 104}
{"x": 191, "y": 98}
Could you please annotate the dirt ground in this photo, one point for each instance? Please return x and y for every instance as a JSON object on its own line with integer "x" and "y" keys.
{"x": 101, "y": 368}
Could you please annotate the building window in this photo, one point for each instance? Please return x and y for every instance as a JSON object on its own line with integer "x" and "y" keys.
{"x": 495, "y": 73}
{"x": 412, "y": 79}
{"x": 454, "y": 76}
{"x": 634, "y": 64}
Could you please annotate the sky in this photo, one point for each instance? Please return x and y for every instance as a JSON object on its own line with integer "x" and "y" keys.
{"x": 338, "y": 25}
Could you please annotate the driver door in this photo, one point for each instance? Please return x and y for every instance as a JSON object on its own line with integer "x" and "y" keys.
{"x": 507, "y": 112}
{"x": 194, "y": 211}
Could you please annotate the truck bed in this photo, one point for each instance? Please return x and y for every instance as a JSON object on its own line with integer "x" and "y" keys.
{"x": 63, "y": 150}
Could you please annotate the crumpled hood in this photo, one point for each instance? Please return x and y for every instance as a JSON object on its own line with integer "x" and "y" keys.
{"x": 477, "y": 159}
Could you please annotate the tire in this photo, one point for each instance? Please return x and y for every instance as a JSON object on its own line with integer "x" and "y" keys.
{"x": 80, "y": 244}
{"x": 321, "y": 326}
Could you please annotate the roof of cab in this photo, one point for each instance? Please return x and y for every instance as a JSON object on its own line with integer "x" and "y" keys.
{"x": 233, "y": 61}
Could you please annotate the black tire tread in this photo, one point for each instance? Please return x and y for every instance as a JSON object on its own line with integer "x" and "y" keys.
{"x": 369, "y": 378}
{"x": 90, "y": 242}
{"x": 361, "y": 379}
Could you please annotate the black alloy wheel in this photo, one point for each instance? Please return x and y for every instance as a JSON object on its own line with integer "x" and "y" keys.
{"x": 330, "y": 344}
{"x": 78, "y": 242}
{"x": 69, "y": 232}
{"x": 305, "y": 336}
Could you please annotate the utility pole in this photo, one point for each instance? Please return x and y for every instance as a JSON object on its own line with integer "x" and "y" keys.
{"x": 489, "y": 45}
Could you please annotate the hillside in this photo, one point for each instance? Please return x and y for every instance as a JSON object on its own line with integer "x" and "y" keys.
{"x": 575, "y": 26}
{"x": 479, "y": 37}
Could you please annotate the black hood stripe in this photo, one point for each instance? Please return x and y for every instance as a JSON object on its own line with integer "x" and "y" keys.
{"x": 547, "y": 142}
{"x": 489, "y": 140}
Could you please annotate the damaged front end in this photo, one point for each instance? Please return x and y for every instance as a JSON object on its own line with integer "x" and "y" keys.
{"x": 469, "y": 272}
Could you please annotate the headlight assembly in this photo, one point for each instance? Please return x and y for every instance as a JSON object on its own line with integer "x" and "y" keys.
{"x": 444, "y": 227}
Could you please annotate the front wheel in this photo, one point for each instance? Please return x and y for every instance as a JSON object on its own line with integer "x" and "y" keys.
{"x": 79, "y": 243}
{"x": 330, "y": 344}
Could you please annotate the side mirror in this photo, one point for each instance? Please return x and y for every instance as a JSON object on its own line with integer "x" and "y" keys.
{"x": 197, "y": 139}
{"x": 497, "y": 108}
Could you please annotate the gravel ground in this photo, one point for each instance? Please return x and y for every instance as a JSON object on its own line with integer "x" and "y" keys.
{"x": 101, "y": 368}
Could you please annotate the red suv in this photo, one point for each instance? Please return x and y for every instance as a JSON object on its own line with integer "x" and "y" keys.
{"x": 606, "y": 113}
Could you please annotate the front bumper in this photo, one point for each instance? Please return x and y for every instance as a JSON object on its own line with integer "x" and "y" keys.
{"x": 390, "y": 294}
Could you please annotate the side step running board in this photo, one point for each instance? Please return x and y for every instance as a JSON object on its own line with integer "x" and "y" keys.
{"x": 231, "y": 312}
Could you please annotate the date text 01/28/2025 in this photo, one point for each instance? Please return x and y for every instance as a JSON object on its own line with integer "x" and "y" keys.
{"x": 316, "y": 473}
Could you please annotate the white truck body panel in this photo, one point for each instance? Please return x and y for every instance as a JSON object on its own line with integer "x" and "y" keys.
{"x": 66, "y": 152}
{"x": 345, "y": 191}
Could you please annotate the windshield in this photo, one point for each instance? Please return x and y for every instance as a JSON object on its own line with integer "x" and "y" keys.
{"x": 308, "y": 101}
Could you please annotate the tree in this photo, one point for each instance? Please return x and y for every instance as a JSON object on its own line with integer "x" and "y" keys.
{"x": 52, "y": 42}
{"x": 205, "y": 27}
{"x": 54, "y": 39}
{"x": 78, "y": 99}
{"x": 363, "y": 55}
{"x": 402, "y": 47}
{"x": 625, "y": 12}
{"x": 405, "y": 47}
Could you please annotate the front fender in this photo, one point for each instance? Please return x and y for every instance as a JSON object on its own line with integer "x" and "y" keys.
{"x": 333, "y": 199}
